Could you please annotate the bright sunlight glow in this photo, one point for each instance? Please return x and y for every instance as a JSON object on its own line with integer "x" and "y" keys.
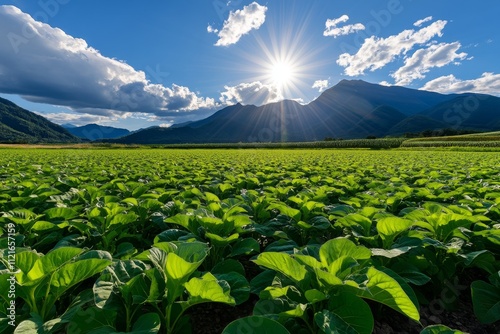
{"x": 281, "y": 74}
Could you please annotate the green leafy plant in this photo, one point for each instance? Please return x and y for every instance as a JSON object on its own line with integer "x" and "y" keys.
{"x": 166, "y": 286}
{"x": 44, "y": 280}
{"x": 326, "y": 289}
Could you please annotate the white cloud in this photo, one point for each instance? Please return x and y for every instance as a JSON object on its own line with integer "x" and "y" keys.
{"x": 334, "y": 22}
{"x": 44, "y": 64}
{"x": 385, "y": 83}
{"x": 422, "y": 21}
{"x": 239, "y": 23}
{"x": 255, "y": 93}
{"x": 332, "y": 29}
{"x": 488, "y": 83}
{"x": 376, "y": 52}
{"x": 436, "y": 55}
{"x": 76, "y": 119}
{"x": 321, "y": 85}
{"x": 211, "y": 29}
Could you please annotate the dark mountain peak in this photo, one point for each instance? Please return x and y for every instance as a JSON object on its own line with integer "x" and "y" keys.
{"x": 20, "y": 125}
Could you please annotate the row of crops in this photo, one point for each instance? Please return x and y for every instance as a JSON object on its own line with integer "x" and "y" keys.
{"x": 324, "y": 241}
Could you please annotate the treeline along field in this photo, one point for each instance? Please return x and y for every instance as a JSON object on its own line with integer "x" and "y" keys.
{"x": 131, "y": 240}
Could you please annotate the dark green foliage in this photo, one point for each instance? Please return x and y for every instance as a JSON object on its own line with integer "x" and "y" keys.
{"x": 18, "y": 125}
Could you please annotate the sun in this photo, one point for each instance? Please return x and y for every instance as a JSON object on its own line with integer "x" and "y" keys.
{"x": 281, "y": 73}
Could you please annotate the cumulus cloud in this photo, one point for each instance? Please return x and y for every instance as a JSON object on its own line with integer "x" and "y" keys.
{"x": 44, "y": 64}
{"x": 436, "y": 55}
{"x": 488, "y": 83}
{"x": 320, "y": 85}
{"x": 76, "y": 119}
{"x": 332, "y": 29}
{"x": 376, "y": 52}
{"x": 422, "y": 21}
{"x": 255, "y": 93}
{"x": 239, "y": 23}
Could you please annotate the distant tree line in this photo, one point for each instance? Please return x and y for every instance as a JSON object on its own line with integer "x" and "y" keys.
{"x": 439, "y": 133}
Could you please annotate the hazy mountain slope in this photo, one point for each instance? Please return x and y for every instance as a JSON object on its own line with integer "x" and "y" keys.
{"x": 98, "y": 132}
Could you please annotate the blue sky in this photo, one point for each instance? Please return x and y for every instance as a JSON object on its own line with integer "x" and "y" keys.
{"x": 131, "y": 64}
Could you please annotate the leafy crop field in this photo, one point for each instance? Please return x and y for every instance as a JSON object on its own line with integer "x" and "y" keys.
{"x": 309, "y": 241}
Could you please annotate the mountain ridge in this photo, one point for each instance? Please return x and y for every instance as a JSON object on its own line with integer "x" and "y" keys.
{"x": 18, "y": 125}
{"x": 95, "y": 132}
{"x": 350, "y": 109}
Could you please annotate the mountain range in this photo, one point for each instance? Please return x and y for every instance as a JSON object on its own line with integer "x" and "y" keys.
{"x": 95, "y": 132}
{"x": 350, "y": 109}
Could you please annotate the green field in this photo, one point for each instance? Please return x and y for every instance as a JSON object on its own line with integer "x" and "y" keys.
{"x": 320, "y": 241}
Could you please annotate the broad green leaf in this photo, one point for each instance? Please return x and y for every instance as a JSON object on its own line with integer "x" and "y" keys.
{"x": 336, "y": 248}
{"x": 262, "y": 281}
{"x": 74, "y": 273}
{"x": 282, "y": 246}
{"x": 410, "y": 273}
{"x": 314, "y": 296}
{"x": 327, "y": 280}
{"x": 207, "y": 289}
{"x": 181, "y": 264}
{"x": 64, "y": 213}
{"x": 389, "y": 253}
{"x": 182, "y": 220}
{"x": 228, "y": 266}
{"x": 483, "y": 259}
{"x": 148, "y": 323}
{"x": 341, "y": 266}
{"x": 30, "y": 326}
{"x": 245, "y": 247}
{"x": 93, "y": 320}
{"x": 357, "y": 223}
{"x": 274, "y": 292}
{"x": 386, "y": 290}
{"x": 216, "y": 225}
{"x": 240, "y": 288}
{"x": 255, "y": 325}
{"x": 123, "y": 219}
{"x": 319, "y": 223}
{"x": 25, "y": 262}
{"x": 390, "y": 227}
{"x": 440, "y": 329}
{"x": 53, "y": 260}
{"x": 136, "y": 291}
{"x": 284, "y": 264}
{"x": 280, "y": 307}
{"x": 192, "y": 251}
{"x": 331, "y": 323}
{"x": 103, "y": 290}
{"x": 486, "y": 301}
{"x": 352, "y": 311}
{"x": 43, "y": 226}
{"x": 170, "y": 235}
{"x": 286, "y": 210}
{"x": 407, "y": 289}
{"x": 222, "y": 241}
{"x": 211, "y": 197}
